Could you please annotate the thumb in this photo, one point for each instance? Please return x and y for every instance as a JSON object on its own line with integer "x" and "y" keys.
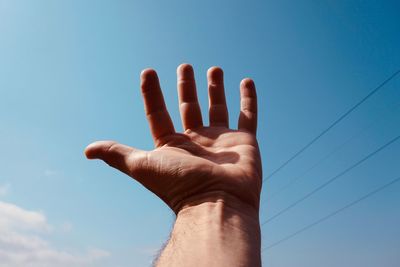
{"x": 114, "y": 154}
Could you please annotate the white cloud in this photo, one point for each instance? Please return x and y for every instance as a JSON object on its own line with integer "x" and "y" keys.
{"x": 16, "y": 218}
{"x": 22, "y": 243}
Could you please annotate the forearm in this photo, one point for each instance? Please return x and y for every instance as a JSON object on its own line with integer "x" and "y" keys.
{"x": 219, "y": 231}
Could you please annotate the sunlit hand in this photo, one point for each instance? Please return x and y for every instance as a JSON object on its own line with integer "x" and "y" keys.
{"x": 203, "y": 162}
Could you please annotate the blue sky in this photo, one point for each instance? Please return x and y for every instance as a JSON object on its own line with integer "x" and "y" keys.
{"x": 69, "y": 75}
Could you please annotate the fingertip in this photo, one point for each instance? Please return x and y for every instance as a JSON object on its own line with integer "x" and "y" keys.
{"x": 149, "y": 80}
{"x": 185, "y": 70}
{"x": 215, "y": 73}
{"x": 148, "y": 72}
{"x": 247, "y": 82}
{"x": 248, "y": 88}
{"x": 89, "y": 152}
{"x": 92, "y": 150}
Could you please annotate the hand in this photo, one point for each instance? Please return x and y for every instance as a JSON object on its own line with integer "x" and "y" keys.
{"x": 202, "y": 163}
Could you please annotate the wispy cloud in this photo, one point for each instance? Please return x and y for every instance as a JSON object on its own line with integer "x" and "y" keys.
{"x": 151, "y": 251}
{"x": 66, "y": 227}
{"x": 22, "y": 242}
{"x": 4, "y": 189}
{"x": 50, "y": 173}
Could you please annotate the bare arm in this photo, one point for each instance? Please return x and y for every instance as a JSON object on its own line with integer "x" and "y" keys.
{"x": 209, "y": 176}
{"x": 216, "y": 232}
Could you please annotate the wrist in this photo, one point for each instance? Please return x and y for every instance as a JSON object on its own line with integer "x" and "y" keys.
{"x": 217, "y": 202}
{"x": 240, "y": 204}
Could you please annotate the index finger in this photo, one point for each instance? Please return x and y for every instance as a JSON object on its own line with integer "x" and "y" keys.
{"x": 156, "y": 112}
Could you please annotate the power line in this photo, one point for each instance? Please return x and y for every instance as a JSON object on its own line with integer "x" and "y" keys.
{"x": 371, "y": 193}
{"x": 331, "y": 180}
{"x": 375, "y": 90}
{"x": 338, "y": 148}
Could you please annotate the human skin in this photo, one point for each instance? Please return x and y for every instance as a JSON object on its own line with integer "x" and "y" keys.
{"x": 210, "y": 176}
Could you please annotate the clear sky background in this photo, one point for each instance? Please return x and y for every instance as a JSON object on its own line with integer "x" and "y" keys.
{"x": 69, "y": 75}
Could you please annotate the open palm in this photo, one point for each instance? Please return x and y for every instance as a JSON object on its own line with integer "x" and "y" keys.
{"x": 201, "y": 163}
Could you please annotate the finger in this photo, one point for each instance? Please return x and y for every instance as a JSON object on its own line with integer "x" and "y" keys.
{"x": 218, "y": 112}
{"x": 188, "y": 103}
{"x": 248, "y": 106}
{"x": 122, "y": 157}
{"x": 157, "y": 115}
